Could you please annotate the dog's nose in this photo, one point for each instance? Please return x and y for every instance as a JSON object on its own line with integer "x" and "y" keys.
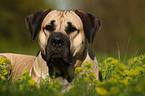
{"x": 57, "y": 41}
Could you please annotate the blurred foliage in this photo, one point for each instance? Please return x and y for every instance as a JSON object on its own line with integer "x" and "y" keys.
{"x": 14, "y": 36}
{"x": 123, "y": 23}
{"x": 116, "y": 79}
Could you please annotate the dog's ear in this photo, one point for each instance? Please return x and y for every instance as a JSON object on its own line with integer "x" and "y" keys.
{"x": 91, "y": 24}
{"x": 33, "y": 22}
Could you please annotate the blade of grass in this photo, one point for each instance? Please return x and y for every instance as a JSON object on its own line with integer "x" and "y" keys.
{"x": 133, "y": 55}
{"x": 127, "y": 48}
{"x": 118, "y": 51}
{"x": 12, "y": 72}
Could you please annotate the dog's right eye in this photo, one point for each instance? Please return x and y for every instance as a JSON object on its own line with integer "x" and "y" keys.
{"x": 49, "y": 28}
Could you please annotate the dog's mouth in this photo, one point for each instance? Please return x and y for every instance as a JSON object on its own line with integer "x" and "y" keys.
{"x": 60, "y": 58}
{"x": 58, "y": 55}
{"x": 58, "y": 64}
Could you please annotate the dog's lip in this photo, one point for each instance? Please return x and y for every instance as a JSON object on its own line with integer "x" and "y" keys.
{"x": 56, "y": 56}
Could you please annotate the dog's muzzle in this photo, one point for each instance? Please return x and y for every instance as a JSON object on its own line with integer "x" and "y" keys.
{"x": 58, "y": 55}
{"x": 57, "y": 48}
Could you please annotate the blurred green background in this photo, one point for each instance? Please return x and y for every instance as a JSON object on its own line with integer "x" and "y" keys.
{"x": 123, "y": 24}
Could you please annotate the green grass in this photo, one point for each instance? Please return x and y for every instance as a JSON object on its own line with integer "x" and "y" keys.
{"x": 118, "y": 78}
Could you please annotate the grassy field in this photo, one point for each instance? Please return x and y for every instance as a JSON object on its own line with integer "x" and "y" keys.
{"x": 117, "y": 78}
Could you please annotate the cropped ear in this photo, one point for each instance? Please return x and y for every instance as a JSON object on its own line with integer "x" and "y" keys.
{"x": 91, "y": 24}
{"x": 33, "y": 22}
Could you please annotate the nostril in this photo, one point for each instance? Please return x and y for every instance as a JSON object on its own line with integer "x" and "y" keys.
{"x": 53, "y": 42}
{"x": 60, "y": 42}
{"x": 57, "y": 41}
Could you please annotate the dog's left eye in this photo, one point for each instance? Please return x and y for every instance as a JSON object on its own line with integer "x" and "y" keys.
{"x": 72, "y": 29}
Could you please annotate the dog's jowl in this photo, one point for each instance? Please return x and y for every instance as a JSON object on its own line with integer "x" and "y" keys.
{"x": 62, "y": 38}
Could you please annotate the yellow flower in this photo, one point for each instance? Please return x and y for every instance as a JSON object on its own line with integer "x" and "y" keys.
{"x": 2, "y": 77}
{"x": 50, "y": 85}
{"x": 128, "y": 78}
{"x": 72, "y": 86}
{"x": 88, "y": 64}
{"x": 56, "y": 84}
{"x": 4, "y": 67}
{"x": 114, "y": 62}
{"x": 1, "y": 60}
{"x": 5, "y": 72}
{"x": 78, "y": 70}
{"x": 20, "y": 86}
{"x": 25, "y": 74}
{"x": 7, "y": 60}
{"x": 122, "y": 66}
{"x": 101, "y": 91}
{"x": 92, "y": 75}
{"x": 4, "y": 60}
{"x": 133, "y": 72}
{"x": 135, "y": 59}
{"x": 32, "y": 82}
{"x": 109, "y": 58}
{"x": 100, "y": 68}
{"x": 108, "y": 61}
{"x": 86, "y": 79}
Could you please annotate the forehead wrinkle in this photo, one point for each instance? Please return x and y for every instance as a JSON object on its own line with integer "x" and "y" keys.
{"x": 63, "y": 14}
{"x": 74, "y": 19}
{"x": 62, "y": 17}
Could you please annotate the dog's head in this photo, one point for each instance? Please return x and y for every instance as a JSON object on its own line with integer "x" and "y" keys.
{"x": 62, "y": 34}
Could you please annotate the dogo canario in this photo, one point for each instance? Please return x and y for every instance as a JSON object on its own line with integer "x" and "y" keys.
{"x": 63, "y": 36}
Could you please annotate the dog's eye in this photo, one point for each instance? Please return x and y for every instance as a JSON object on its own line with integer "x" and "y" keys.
{"x": 49, "y": 28}
{"x": 72, "y": 29}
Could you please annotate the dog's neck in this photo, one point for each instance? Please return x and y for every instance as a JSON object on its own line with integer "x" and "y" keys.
{"x": 80, "y": 57}
{"x": 43, "y": 69}
{"x": 40, "y": 69}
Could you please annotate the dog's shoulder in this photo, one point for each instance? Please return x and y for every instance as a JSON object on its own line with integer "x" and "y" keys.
{"x": 90, "y": 55}
{"x": 92, "y": 59}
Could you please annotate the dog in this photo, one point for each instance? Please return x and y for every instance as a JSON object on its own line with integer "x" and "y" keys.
{"x": 63, "y": 36}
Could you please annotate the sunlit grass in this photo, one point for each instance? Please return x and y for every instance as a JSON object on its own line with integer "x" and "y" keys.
{"x": 117, "y": 79}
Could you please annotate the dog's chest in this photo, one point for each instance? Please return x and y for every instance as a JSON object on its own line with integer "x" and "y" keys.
{"x": 59, "y": 66}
